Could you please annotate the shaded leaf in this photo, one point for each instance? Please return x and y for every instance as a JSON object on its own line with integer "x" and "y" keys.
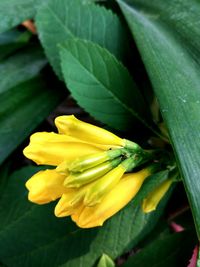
{"x": 101, "y": 84}
{"x": 20, "y": 67}
{"x": 60, "y": 20}
{"x": 167, "y": 35}
{"x": 11, "y": 41}
{"x": 24, "y": 102}
{"x": 41, "y": 239}
{"x": 171, "y": 250}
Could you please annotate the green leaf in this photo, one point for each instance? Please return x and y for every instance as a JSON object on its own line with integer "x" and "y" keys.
{"x": 105, "y": 261}
{"x": 168, "y": 37}
{"x": 150, "y": 184}
{"x": 24, "y": 102}
{"x": 101, "y": 84}
{"x": 20, "y": 67}
{"x": 4, "y": 173}
{"x": 59, "y": 20}
{"x": 171, "y": 250}
{"x": 30, "y": 235}
{"x": 14, "y": 12}
{"x": 11, "y": 41}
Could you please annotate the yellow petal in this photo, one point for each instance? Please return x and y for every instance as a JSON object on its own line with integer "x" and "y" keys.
{"x": 52, "y": 149}
{"x": 150, "y": 203}
{"x": 71, "y": 126}
{"x": 114, "y": 201}
{"x": 70, "y": 202}
{"x": 64, "y": 206}
{"x": 76, "y": 213}
{"x": 45, "y": 186}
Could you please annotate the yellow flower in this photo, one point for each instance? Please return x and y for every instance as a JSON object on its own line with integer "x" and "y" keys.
{"x": 89, "y": 175}
{"x": 151, "y": 202}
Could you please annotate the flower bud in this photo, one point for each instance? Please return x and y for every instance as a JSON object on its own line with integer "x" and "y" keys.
{"x": 151, "y": 202}
{"x": 114, "y": 201}
{"x": 52, "y": 149}
{"x": 103, "y": 185}
{"x": 45, "y": 186}
{"x": 87, "y": 162}
{"x": 80, "y": 179}
{"x": 70, "y": 202}
{"x": 71, "y": 126}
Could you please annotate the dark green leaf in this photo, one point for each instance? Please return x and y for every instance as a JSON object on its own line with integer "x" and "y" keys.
{"x": 30, "y": 235}
{"x": 60, "y": 20}
{"x": 101, "y": 84}
{"x": 20, "y": 67}
{"x": 168, "y": 37}
{"x": 4, "y": 173}
{"x": 171, "y": 250}
{"x": 24, "y": 102}
{"x": 11, "y": 41}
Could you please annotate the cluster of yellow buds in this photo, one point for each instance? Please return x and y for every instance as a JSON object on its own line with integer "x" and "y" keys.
{"x": 92, "y": 174}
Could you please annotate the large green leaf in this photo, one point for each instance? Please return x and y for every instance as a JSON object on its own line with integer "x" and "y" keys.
{"x": 60, "y": 20}
{"x": 101, "y": 84}
{"x": 168, "y": 37}
{"x": 171, "y": 250}
{"x": 30, "y": 235}
{"x": 13, "y": 12}
{"x": 24, "y": 101}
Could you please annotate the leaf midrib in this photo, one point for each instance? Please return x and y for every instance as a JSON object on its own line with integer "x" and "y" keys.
{"x": 112, "y": 95}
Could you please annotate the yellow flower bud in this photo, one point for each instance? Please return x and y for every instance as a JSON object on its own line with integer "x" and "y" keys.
{"x": 70, "y": 202}
{"x": 71, "y": 126}
{"x": 45, "y": 186}
{"x": 52, "y": 149}
{"x": 64, "y": 206}
{"x": 114, "y": 201}
{"x": 151, "y": 202}
{"x": 80, "y": 179}
{"x": 87, "y": 162}
{"x": 103, "y": 185}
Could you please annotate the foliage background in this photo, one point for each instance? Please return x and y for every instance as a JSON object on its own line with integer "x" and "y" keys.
{"x": 113, "y": 58}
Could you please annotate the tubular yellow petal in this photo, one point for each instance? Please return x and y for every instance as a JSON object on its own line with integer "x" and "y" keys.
{"x": 45, "y": 186}
{"x": 42, "y": 137}
{"x": 71, "y": 126}
{"x": 70, "y": 202}
{"x": 64, "y": 206}
{"x": 103, "y": 185}
{"x": 114, "y": 201}
{"x": 52, "y": 149}
{"x": 76, "y": 213}
{"x": 151, "y": 202}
